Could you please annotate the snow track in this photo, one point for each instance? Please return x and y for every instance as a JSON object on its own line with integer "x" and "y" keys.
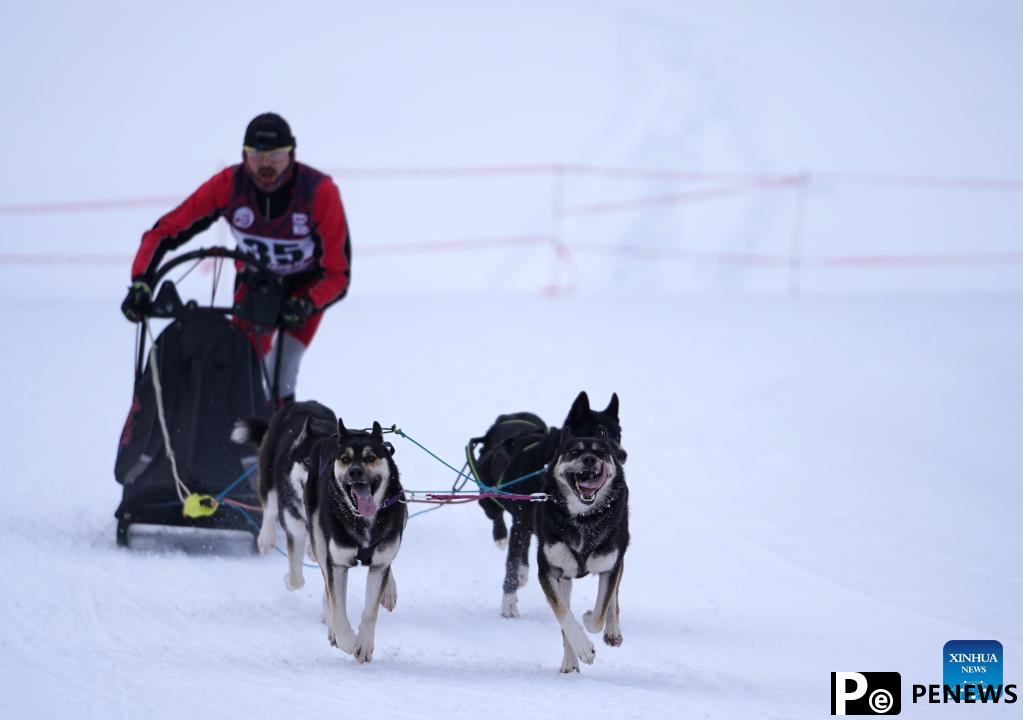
{"x": 754, "y": 568}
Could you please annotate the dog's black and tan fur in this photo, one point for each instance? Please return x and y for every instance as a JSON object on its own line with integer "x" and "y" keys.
{"x": 515, "y": 446}
{"x": 352, "y": 502}
{"x": 583, "y": 528}
{"x": 288, "y": 437}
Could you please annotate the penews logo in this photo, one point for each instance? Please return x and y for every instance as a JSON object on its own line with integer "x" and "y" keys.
{"x": 866, "y": 693}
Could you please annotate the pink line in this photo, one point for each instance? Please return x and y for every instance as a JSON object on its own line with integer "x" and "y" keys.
{"x": 627, "y": 173}
{"x": 461, "y": 245}
{"x": 455, "y": 245}
{"x": 440, "y": 172}
{"x": 55, "y": 208}
{"x": 696, "y": 258}
{"x": 56, "y": 259}
{"x": 551, "y": 169}
{"x": 923, "y": 181}
{"x": 920, "y": 261}
{"x": 824, "y": 261}
{"x": 682, "y": 198}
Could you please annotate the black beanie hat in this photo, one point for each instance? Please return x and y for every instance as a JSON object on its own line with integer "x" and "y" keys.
{"x": 268, "y": 131}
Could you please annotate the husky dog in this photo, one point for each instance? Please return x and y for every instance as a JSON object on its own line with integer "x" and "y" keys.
{"x": 518, "y": 445}
{"x": 583, "y": 528}
{"x": 352, "y": 500}
{"x": 283, "y": 443}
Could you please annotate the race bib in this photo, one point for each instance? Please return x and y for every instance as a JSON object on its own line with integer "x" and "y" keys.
{"x": 286, "y": 257}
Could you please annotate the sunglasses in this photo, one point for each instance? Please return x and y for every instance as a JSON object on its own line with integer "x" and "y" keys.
{"x": 272, "y": 155}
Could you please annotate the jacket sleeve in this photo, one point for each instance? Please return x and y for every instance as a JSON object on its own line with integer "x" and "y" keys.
{"x": 332, "y": 227}
{"x": 195, "y": 214}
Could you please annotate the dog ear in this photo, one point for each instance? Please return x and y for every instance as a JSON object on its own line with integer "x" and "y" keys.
{"x": 612, "y": 407}
{"x": 341, "y": 429}
{"x": 580, "y": 408}
{"x": 378, "y": 432}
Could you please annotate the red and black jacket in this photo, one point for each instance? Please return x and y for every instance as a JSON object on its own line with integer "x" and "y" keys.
{"x": 300, "y": 229}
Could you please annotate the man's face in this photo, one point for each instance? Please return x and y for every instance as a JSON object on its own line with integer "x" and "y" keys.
{"x": 267, "y": 167}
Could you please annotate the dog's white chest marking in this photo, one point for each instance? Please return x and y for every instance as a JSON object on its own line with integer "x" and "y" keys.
{"x": 342, "y": 556}
{"x": 601, "y": 563}
{"x": 560, "y": 556}
{"x": 384, "y": 554}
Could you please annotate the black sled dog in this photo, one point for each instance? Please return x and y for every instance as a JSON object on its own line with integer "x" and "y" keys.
{"x": 521, "y": 444}
{"x": 583, "y": 528}
{"x": 353, "y": 502}
{"x": 283, "y": 443}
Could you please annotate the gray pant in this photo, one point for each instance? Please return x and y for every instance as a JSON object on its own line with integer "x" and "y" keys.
{"x": 291, "y": 358}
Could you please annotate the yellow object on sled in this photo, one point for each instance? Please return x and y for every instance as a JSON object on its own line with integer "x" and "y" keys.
{"x": 197, "y": 506}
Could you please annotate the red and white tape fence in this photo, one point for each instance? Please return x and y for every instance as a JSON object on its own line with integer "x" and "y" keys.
{"x": 714, "y": 186}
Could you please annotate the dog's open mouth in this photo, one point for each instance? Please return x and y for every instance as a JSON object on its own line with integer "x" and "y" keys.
{"x": 361, "y": 495}
{"x": 587, "y": 483}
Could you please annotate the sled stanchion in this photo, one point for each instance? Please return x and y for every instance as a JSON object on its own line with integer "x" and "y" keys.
{"x": 279, "y": 357}
{"x": 140, "y": 357}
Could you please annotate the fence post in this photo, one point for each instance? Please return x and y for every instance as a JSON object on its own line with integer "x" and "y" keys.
{"x": 796, "y": 251}
{"x": 562, "y": 256}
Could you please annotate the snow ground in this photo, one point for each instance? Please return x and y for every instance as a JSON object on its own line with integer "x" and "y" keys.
{"x": 815, "y": 487}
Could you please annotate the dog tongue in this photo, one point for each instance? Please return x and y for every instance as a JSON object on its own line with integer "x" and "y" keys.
{"x": 597, "y": 482}
{"x": 594, "y": 484}
{"x": 364, "y": 498}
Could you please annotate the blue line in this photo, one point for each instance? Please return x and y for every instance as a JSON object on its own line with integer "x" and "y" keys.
{"x": 463, "y": 475}
{"x": 233, "y": 485}
{"x": 420, "y": 512}
{"x": 256, "y": 525}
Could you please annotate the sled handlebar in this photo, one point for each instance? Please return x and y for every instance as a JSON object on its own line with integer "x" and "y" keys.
{"x": 260, "y": 306}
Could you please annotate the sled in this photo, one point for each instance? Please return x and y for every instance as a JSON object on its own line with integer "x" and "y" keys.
{"x": 200, "y": 375}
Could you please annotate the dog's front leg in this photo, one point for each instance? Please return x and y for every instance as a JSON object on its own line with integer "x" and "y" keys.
{"x": 342, "y": 635}
{"x": 375, "y": 582}
{"x": 605, "y": 610}
{"x": 558, "y": 592}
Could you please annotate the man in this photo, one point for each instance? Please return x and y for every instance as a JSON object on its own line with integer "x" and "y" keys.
{"x": 286, "y": 213}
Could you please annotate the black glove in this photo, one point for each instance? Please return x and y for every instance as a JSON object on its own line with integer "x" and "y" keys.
{"x": 294, "y": 311}
{"x": 137, "y": 302}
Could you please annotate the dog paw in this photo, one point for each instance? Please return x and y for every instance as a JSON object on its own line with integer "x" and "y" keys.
{"x": 586, "y": 653}
{"x": 510, "y": 606}
{"x": 523, "y": 575}
{"x": 569, "y": 664}
{"x": 291, "y": 583}
{"x": 363, "y": 649}
{"x": 389, "y": 597}
{"x": 345, "y": 643}
{"x": 501, "y": 544}
{"x": 581, "y": 646}
{"x": 614, "y": 639}
{"x": 265, "y": 542}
